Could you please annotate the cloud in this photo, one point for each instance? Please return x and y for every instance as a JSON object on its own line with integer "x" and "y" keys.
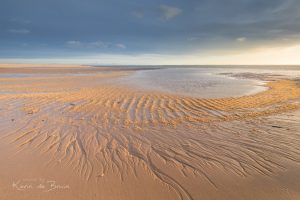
{"x": 19, "y": 31}
{"x": 241, "y": 39}
{"x": 169, "y": 12}
{"x": 95, "y": 44}
{"x": 25, "y": 44}
{"x": 174, "y": 27}
{"x": 20, "y": 21}
{"x": 73, "y": 43}
{"x": 121, "y": 46}
{"x": 138, "y": 14}
{"x": 192, "y": 38}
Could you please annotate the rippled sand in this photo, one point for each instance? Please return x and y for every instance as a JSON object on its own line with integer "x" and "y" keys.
{"x": 95, "y": 140}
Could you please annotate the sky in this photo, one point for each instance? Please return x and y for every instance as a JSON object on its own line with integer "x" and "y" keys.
{"x": 150, "y": 32}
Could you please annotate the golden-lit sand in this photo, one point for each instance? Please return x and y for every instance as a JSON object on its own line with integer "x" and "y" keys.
{"x": 81, "y": 137}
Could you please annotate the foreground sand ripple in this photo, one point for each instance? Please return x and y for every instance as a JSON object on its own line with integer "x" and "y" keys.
{"x": 107, "y": 129}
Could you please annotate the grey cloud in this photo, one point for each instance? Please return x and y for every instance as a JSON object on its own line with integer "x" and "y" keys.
{"x": 169, "y": 12}
{"x": 94, "y": 45}
{"x": 146, "y": 26}
{"x": 241, "y": 39}
{"x": 97, "y": 44}
{"x": 121, "y": 46}
{"x": 19, "y": 31}
{"x": 73, "y": 43}
{"x": 138, "y": 14}
{"x": 20, "y": 21}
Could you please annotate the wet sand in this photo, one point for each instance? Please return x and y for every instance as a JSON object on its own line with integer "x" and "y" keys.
{"x": 79, "y": 137}
{"x": 193, "y": 82}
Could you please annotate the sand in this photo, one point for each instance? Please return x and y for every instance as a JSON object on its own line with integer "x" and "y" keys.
{"x": 76, "y": 136}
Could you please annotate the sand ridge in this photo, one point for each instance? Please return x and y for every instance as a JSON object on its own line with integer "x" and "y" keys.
{"x": 109, "y": 134}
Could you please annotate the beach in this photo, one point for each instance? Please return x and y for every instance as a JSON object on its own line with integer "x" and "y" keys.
{"x": 85, "y": 132}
